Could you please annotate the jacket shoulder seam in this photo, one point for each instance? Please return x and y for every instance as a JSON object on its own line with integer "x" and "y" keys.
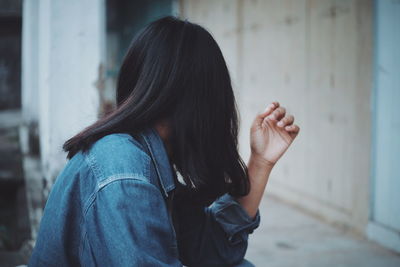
{"x": 101, "y": 185}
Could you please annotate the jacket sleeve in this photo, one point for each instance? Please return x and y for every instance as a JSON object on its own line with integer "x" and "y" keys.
{"x": 128, "y": 225}
{"x": 216, "y": 235}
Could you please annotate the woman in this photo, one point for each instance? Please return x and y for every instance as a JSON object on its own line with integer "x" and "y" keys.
{"x": 119, "y": 202}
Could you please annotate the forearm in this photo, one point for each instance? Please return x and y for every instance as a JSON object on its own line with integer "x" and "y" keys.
{"x": 271, "y": 134}
{"x": 259, "y": 171}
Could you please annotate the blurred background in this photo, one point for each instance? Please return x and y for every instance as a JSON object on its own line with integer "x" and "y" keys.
{"x": 332, "y": 200}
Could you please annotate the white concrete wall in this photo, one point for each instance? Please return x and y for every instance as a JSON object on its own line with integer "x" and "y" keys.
{"x": 63, "y": 47}
{"x": 29, "y": 64}
{"x": 384, "y": 226}
{"x": 315, "y": 58}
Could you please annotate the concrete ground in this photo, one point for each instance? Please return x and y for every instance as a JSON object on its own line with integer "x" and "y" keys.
{"x": 287, "y": 237}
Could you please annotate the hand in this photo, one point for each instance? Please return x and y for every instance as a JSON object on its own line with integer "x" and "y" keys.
{"x": 271, "y": 134}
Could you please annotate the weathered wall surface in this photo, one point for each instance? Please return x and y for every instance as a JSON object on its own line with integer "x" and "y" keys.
{"x": 315, "y": 58}
{"x": 63, "y": 51}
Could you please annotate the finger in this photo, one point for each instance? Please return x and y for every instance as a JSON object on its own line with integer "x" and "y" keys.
{"x": 270, "y": 108}
{"x": 287, "y": 120}
{"x": 293, "y": 130}
{"x": 278, "y": 113}
{"x": 276, "y": 103}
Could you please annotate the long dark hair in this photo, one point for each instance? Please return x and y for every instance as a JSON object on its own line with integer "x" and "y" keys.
{"x": 175, "y": 71}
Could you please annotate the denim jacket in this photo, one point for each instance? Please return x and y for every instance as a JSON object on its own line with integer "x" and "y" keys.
{"x": 111, "y": 206}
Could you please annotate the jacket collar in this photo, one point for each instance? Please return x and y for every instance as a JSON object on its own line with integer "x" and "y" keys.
{"x": 159, "y": 155}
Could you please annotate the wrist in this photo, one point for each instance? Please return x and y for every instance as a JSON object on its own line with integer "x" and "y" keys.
{"x": 260, "y": 162}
